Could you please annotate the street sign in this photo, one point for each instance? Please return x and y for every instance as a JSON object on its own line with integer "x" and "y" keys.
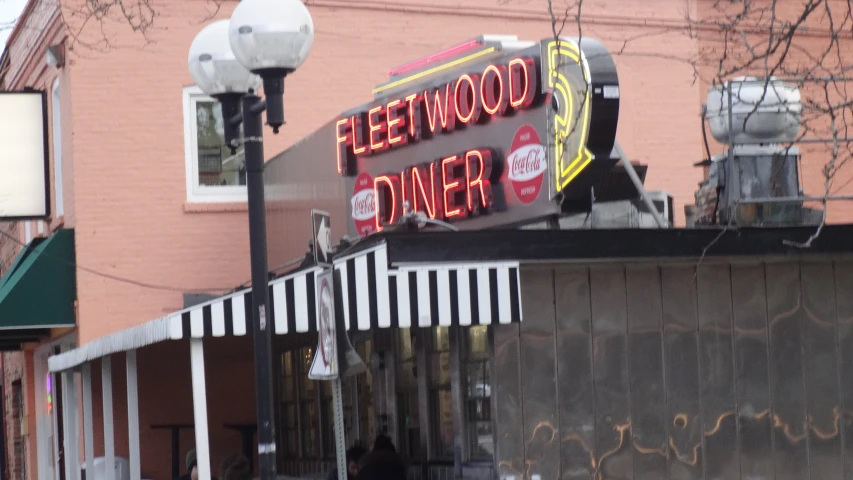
{"x": 24, "y": 161}
{"x": 325, "y": 363}
{"x": 322, "y": 228}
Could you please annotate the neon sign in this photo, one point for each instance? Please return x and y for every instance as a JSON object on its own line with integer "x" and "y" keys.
{"x": 477, "y": 133}
{"x": 470, "y": 99}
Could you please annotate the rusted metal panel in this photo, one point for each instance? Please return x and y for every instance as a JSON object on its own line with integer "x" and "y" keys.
{"x": 506, "y": 395}
{"x": 681, "y": 364}
{"x": 610, "y": 367}
{"x": 844, "y": 299}
{"x": 539, "y": 415}
{"x": 787, "y": 381}
{"x": 574, "y": 374}
{"x": 645, "y": 365}
{"x": 821, "y": 370}
{"x": 717, "y": 373}
{"x": 752, "y": 372}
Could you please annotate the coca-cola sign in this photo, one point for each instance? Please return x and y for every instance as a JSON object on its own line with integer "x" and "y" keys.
{"x": 363, "y": 203}
{"x": 527, "y": 163}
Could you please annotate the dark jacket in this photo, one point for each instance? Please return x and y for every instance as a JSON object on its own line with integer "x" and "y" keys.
{"x": 333, "y": 475}
{"x": 382, "y": 465}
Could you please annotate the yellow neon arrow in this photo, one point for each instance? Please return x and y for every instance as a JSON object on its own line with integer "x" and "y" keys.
{"x": 563, "y": 123}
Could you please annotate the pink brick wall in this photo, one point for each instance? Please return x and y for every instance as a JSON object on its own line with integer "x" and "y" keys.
{"x": 16, "y": 366}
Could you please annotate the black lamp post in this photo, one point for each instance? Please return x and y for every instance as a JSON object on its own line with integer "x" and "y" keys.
{"x": 264, "y": 41}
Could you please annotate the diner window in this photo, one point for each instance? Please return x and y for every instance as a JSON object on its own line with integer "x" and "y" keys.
{"x": 441, "y": 403}
{"x": 287, "y": 393}
{"x": 310, "y": 417}
{"x": 214, "y": 174}
{"x": 328, "y": 430}
{"x": 407, "y": 396}
{"x": 478, "y": 398}
{"x": 364, "y": 392}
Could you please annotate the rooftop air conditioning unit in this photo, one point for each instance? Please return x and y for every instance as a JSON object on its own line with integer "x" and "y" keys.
{"x": 763, "y": 111}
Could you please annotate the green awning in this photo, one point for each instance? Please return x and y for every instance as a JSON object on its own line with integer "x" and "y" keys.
{"x": 39, "y": 289}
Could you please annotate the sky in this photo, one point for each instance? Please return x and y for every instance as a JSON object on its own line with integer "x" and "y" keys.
{"x": 9, "y": 11}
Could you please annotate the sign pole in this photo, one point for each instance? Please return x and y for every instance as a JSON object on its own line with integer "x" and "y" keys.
{"x": 335, "y": 356}
{"x": 340, "y": 435}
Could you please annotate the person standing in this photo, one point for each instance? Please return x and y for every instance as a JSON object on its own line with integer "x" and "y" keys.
{"x": 383, "y": 462}
{"x": 353, "y": 456}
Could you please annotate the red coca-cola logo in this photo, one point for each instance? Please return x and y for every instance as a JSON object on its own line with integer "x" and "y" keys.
{"x": 527, "y": 164}
{"x": 363, "y": 205}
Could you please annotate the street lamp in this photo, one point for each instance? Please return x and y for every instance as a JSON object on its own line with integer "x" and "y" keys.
{"x": 265, "y": 40}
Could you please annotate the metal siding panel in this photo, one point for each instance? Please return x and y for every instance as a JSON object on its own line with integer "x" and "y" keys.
{"x": 752, "y": 373}
{"x": 844, "y": 299}
{"x": 821, "y": 370}
{"x": 509, "y": 432}
{"x": 574, "y": 374}
{"x": 541, "y": 422}
{"x": 681, "y": 364}
{"x": 716, "y": 374}
{"x": 645, "y": 364}
{"x": 787, "y": 385}
{"x": 610, "y": 369}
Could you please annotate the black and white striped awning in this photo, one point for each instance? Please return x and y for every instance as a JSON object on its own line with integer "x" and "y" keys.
{"x": 425, "y": 295}
{"x": 291, "y": 309}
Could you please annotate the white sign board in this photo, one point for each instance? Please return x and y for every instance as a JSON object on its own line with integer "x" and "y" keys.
{"x": 24, "y": 175}
{"x": 325, "y": 363}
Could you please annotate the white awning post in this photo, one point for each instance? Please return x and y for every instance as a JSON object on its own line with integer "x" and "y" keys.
{"x": 88, "y": 424}
{"x": 107, "y": 407}
{"x": 133, "y": 417}
{"x": 70, "y": 438}
{"x": 202, "y": 447}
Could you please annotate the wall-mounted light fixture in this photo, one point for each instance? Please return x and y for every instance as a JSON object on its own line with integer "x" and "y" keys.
{"x": 55, "y": 56}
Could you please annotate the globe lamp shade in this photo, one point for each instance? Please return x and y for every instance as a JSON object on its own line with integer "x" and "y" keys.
{"x": 271, "y": 38}
{"x": 271, "y": 34}
{"x": 213, "y": 65}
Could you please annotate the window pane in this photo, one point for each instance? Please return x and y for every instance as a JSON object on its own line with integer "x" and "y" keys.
{"x": 287, "y": 363}
{"x": 478, "y": 379}
{"x": 404, "y": 344}
{"x": 287, "y": 392}
{"x": 288, "y": 416}
{"x": 478, "y": 401}
{"x": 307, "y": 354}
{"x": 477, "y": 341}
{"x": 328, "y": 429}
{"x": 290, "y": 444}
{"x": 440, "y": 369}
{"x": 443, "y": 423}
{"x": 406, "y": 379}
{"x": 410, "y": 433}
{"x": 310, "y": 427}
{"x": 441, "y": 340}
{"x": 216, "y": 164}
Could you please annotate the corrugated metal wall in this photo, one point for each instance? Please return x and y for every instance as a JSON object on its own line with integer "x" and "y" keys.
{"x": 660, "y": 371}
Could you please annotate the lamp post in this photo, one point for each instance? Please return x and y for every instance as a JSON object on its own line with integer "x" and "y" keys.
{"x": 264, "y": 41}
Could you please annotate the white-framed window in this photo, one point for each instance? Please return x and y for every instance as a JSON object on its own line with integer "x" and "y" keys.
{"x": 57, "y": 149}
{"x": 214, "y": 174}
